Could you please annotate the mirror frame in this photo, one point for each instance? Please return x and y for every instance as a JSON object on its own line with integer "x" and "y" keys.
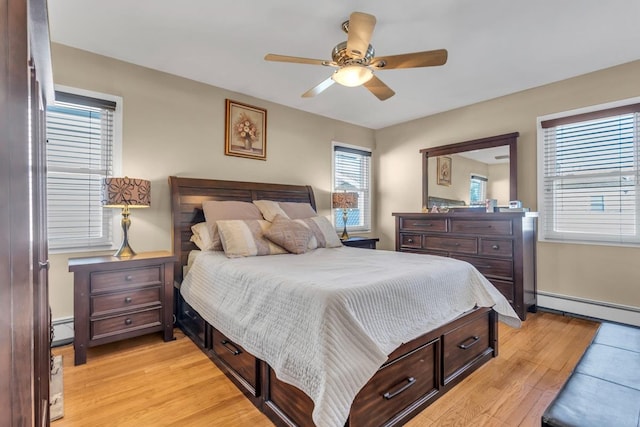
{"x": 509, "y": 139}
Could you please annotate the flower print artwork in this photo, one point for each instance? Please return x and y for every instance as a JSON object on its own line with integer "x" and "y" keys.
{"x": 245, "y": 131}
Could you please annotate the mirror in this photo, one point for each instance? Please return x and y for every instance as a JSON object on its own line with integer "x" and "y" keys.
{"x": 447, "y": 171}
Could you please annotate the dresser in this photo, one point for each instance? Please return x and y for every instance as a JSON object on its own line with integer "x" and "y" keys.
{"x": 120, "y": 298}
{"x": 500, "y": 245}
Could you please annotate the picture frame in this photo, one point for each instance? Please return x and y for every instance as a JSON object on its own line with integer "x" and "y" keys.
{"x": 245, "y": 130}
{"x": 444, "y": 170}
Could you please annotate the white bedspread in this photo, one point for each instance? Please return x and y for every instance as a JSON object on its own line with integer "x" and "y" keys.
{"x": 326, "y": 320}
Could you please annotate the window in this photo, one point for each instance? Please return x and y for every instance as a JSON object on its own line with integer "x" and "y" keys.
{"x": 478, "y": 190}
{"x": 352, "y": 172}
{"x": 80, "y": 152}
{"x": 588, "y": 176}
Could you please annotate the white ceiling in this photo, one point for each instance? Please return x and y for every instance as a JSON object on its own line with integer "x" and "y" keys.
{"x": 496, "y": 47}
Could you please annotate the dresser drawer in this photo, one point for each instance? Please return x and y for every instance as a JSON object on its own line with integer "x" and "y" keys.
{"x": 451, "y": 244}
{"x": 411, "y": 240}
{"x": 101, "y": 328}
{"x": 481, "y": 227}
{"x": 506, "y": 288}
{"x": 243, "y": 363}
{"x": 464, "y": 344}
{"x": 394, "y": 388}
{"x": 490, "y": 267}
{"x": 433, "y": 225}
{"x": 496, "y": 247}
{"x": 123, "y": 279}
{"x": 128, "y": 300}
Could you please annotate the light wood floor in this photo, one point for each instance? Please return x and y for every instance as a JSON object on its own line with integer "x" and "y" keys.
{"x": 147, "y": 382}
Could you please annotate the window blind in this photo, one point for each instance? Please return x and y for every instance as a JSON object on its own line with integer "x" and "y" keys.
{"x": 590, "y": 177}
{"x": 79, "y": 156}
{"x": 352, "y": 172}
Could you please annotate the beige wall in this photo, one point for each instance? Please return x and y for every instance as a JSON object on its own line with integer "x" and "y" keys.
{"x": 601, "y": 273}
{"x": 175, "y": 126}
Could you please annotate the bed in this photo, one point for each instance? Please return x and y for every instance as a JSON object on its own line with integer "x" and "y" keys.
{"x": 407, "y": 374}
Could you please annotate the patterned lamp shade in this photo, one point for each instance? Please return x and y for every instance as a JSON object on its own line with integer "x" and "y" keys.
{"x": 344, "y": 200}
{"x": 129, "y": 192}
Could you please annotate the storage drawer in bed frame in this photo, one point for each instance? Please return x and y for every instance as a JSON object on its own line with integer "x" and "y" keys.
{"x": 415, "y": 375}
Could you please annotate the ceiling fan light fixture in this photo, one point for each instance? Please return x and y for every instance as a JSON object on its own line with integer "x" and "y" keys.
{"x": 352, "y": 75}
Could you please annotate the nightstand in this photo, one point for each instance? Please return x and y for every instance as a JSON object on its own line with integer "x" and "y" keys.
{"x": 120, "y": 298}
{"x": 361, "y": 242}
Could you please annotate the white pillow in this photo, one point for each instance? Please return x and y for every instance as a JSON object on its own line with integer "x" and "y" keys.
{"x": 269, "y": 209}
{"x": 202, "y": 237}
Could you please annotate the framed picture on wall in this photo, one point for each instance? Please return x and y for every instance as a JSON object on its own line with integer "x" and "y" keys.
{"x": 245, "y": 131}
{"x": 444, "y": 170}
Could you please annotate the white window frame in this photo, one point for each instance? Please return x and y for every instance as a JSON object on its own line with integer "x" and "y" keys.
{"x": 365, "y": 201}
{"x": 112, "y": 215}
{"x": 544, "y": 220}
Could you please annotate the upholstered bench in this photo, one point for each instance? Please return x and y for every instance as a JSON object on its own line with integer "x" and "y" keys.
{"x": 604, "y": 387}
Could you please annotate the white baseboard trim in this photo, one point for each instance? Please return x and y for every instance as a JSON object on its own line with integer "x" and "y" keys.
{"x": 590, "y": 308}
{"x": 62, "y": 331}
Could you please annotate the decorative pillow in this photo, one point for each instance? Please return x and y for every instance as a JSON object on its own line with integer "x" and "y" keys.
{"x": 296, "y": 210}
{"x": 269, "y": 209}
{"x": 201, "y": 236}
{"x": 224, "y": 210}
{"x": 324, "y": 235}
{"x": 241, "y": 238}
{"x": 289, "y": 234}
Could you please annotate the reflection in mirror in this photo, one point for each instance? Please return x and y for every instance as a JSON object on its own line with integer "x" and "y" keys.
{"x": 476, "y": 175}
{"x": 476, "y": 170}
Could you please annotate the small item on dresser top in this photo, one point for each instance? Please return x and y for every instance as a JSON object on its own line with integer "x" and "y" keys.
{"x": 434, "y": 209}
{"x": 491, "y": 204}
{"x": 515, "y": 204}
{"x": 503, "y": 209}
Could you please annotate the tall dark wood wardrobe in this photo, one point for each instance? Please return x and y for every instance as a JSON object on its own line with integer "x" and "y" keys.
{"x": 26, "y": 85}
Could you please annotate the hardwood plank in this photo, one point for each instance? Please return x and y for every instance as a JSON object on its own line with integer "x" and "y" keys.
{"x": 146, "y": 381}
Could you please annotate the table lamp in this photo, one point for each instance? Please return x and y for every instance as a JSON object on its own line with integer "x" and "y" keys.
{"x": 344, "y": 200}
{"x": 126, "y": 193}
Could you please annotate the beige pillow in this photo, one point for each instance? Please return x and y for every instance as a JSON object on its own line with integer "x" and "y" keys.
{"x": 296, "y": 210}
{"x": 289, "y": 234}
{"x": 201, "y": 236}
{"x": 224, "y": 210}
{"x": 269, "y": 209}
{"x": 324, "y": 235}
{"x": 242, "y": 238}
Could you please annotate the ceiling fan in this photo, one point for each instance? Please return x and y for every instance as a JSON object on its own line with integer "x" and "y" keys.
{"x": 355, "y": 59}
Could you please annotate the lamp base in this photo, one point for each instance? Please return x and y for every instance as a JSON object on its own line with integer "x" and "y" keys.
{"x": 345, "y": 235}
{"x": 125, "y": 250}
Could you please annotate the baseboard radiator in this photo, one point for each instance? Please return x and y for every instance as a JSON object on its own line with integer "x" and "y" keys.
{"x": 62, "y": 331}
{"x": 598, "y": 310}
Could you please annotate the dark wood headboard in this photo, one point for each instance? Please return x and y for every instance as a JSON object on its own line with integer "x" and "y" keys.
{"x": 187, "y": 195}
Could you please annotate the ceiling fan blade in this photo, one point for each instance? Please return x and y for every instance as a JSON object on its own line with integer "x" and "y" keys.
{"x": 428, "y": 58}
{"x": 319, "y": 88}
{"x": 379, "y": 89}
{"x": 360, "y": 30}
{"x": 297, "y": 60}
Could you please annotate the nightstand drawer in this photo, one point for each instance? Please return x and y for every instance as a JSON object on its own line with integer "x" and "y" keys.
{"x": 130, "y": 300}
{"x": 127, "y": 322}
{"x": 123, "y": 279}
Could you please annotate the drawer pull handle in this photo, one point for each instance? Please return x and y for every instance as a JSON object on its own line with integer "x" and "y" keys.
{"x": 230, "y": 347}
{"x": 128, "y": 278}
{"x": 128, "y": 321}
{"x": 426, "y": 224}
{"x": 474, "y": 339}
{"x": 391, "y": 394}
{"x": 410, "y": 240}
{"x": 128, "y": 300}
{"x": 496, "y": 247}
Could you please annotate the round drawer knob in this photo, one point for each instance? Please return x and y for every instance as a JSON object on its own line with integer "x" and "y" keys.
{"x": 410, "y": 240}
{"x": 128, "y": 321}
{"x": 496, "y": 247}
{"x": 128, "y": 300}
{"x": 128, "y": 278}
